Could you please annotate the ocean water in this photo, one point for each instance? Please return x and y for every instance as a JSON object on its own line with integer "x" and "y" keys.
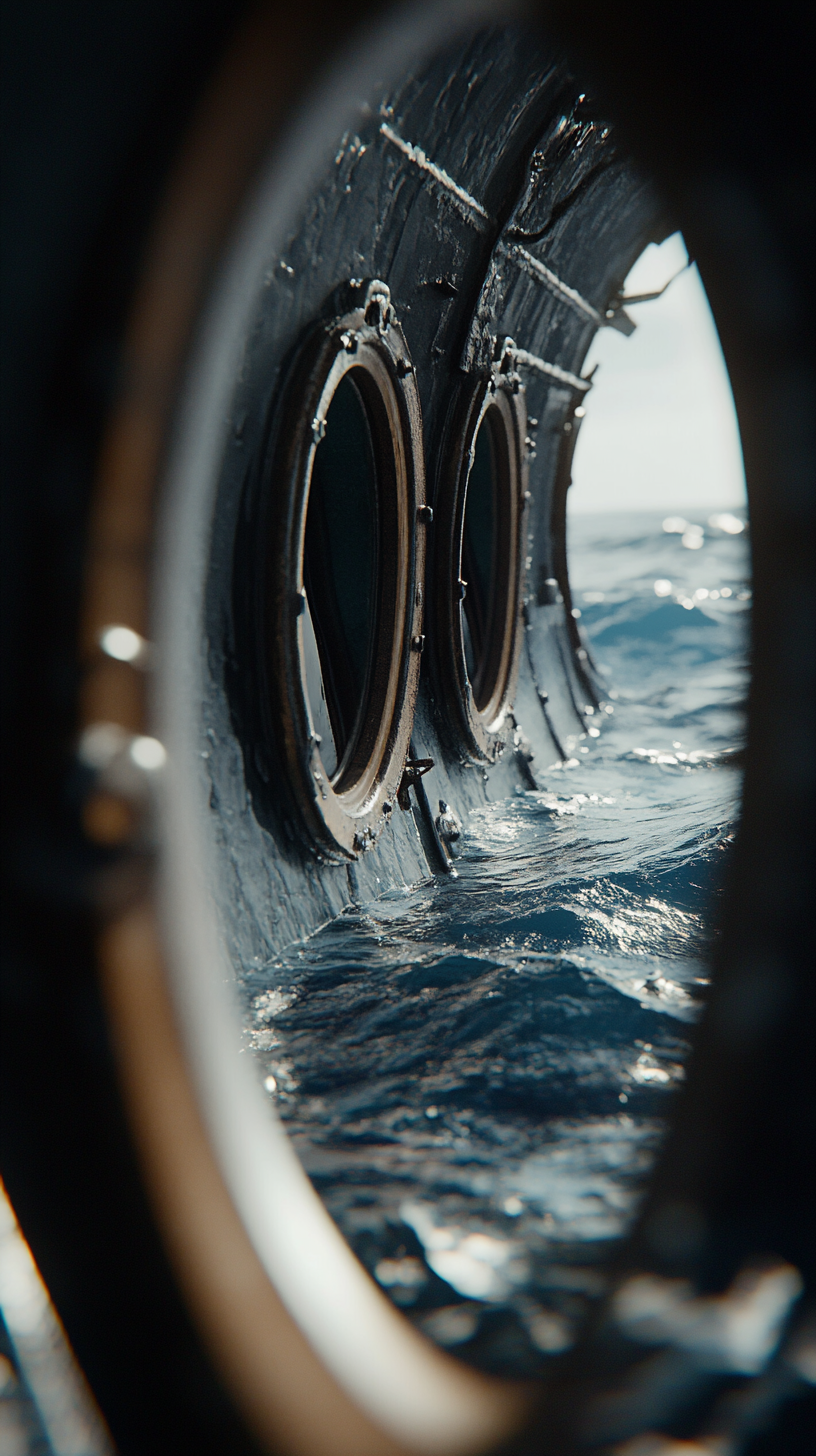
{"x": 477, "y": 1074}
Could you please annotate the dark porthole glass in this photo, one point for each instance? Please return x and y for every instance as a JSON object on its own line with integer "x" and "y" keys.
{"x": 340, "y": 568}
{"x": 480, "y": 564}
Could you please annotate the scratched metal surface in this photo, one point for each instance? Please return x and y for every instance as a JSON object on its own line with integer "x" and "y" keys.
{"x": 440, "y": 175}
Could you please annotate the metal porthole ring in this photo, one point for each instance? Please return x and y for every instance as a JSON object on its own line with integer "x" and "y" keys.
{"x": 476, "y": 706}
{"x": 340, "y": 811}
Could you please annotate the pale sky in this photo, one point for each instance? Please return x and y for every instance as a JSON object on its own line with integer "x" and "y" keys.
{"x": 660, "y": 431}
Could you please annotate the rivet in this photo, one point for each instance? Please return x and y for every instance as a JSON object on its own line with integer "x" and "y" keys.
{"x": 318, "y": 429}
{"x": 424, "y": 515}
{"x": 418, "y": 643}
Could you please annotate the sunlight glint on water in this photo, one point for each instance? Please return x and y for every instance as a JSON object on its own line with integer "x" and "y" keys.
{"x": 476, "y": 1074}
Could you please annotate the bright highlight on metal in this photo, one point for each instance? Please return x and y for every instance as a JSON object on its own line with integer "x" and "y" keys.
{"x": 123, "y": 644}
{"x": 148, "y": 753}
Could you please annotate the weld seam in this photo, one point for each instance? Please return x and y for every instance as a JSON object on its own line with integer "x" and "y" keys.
{"x": 553, "y": 371}
{"x": 419, "y": 159}
{"x": 543, "y": 274}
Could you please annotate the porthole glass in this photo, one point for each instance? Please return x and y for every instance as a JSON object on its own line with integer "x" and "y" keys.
{"x": 479, "y": 563}
{"x": 340, "y": 568}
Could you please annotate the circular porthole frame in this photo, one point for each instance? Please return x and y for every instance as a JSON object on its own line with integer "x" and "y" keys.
{"x": 479, "y": 734}
{"x": 341, "y": 815}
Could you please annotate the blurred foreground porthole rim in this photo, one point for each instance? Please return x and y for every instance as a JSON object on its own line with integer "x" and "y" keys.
{"x": 316, "y": 1357}
{"x": 478, "y": 625}
{"x": 237, "y": 1210}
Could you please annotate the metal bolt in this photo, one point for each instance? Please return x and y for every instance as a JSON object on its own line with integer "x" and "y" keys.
{"x": 424, "y": 515}
{"x": 379, "y": 313}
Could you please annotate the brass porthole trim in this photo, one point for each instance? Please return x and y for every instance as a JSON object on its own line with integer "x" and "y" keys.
{"x": 341, "y": 794}
{"x": 487, "y": 421}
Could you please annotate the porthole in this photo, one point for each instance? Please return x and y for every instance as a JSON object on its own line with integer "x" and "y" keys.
{"x": 343, "y": 556}
{"x": 479, "y": 560}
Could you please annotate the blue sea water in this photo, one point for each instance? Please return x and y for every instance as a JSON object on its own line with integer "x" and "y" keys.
{"x": 477, "y": 1074}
